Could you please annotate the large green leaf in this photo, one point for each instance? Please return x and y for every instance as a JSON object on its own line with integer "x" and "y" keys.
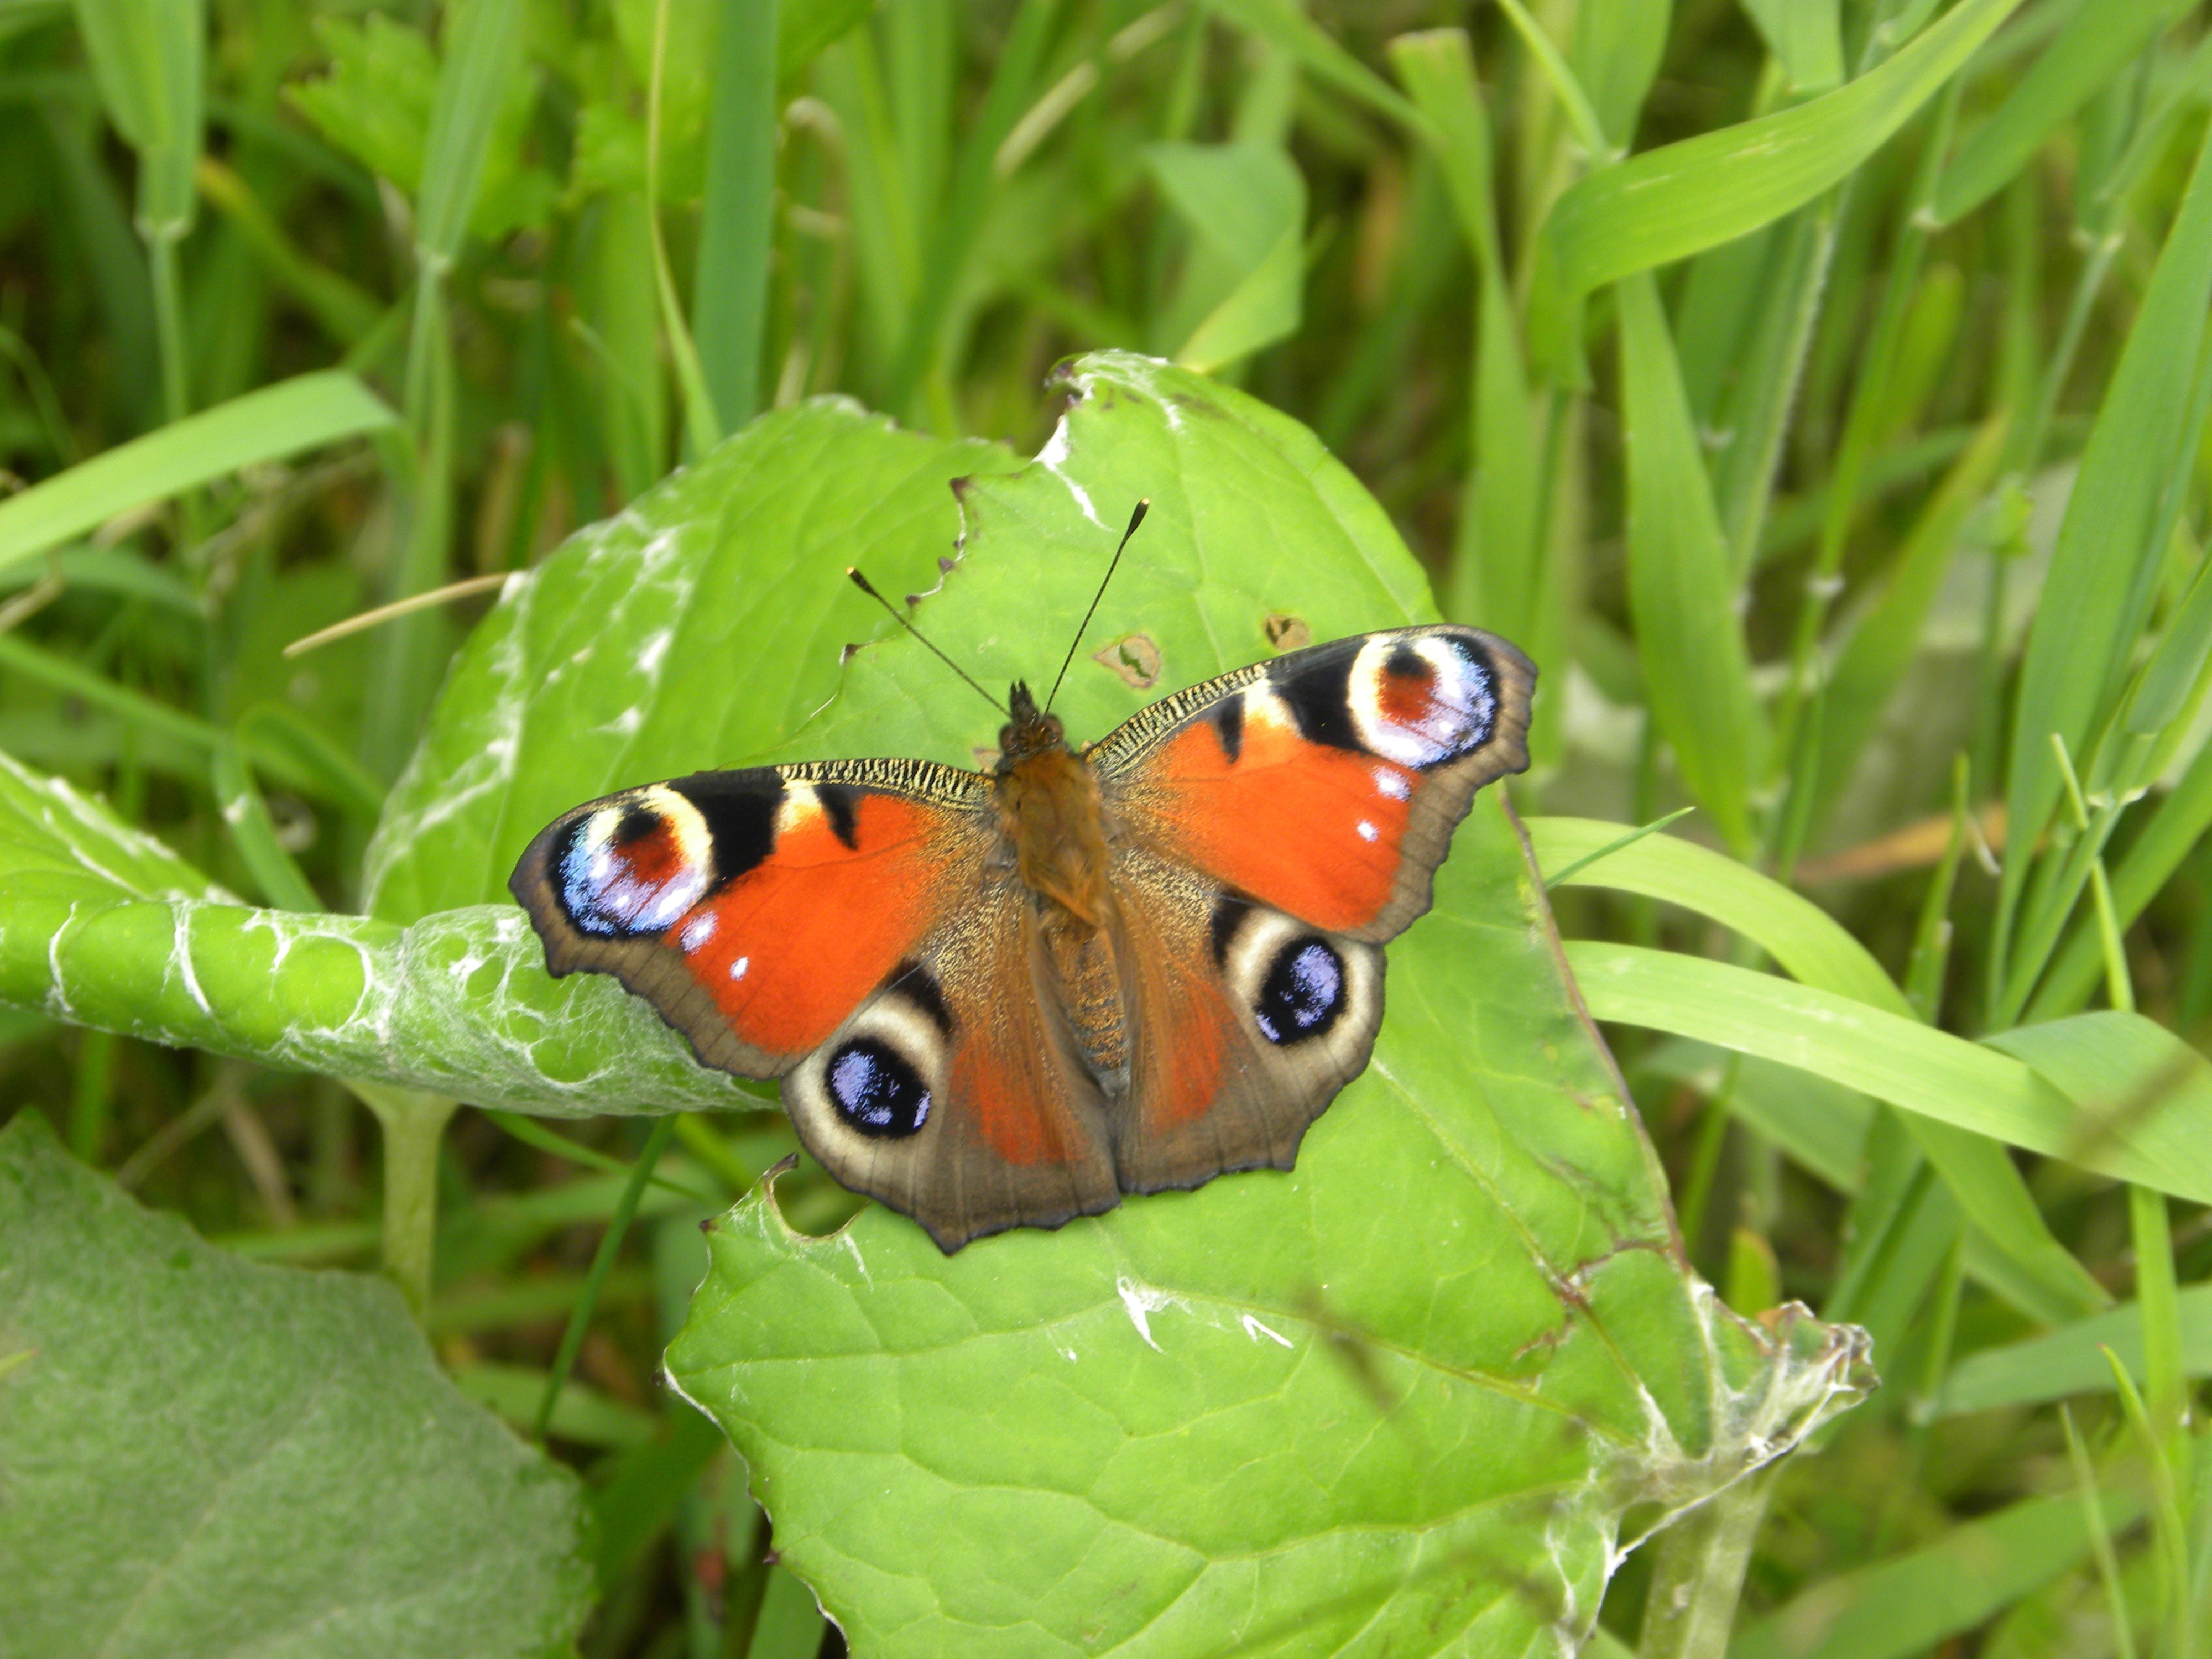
{"x": 1404, "y": 1393}
{"x": 204, "y": 1457}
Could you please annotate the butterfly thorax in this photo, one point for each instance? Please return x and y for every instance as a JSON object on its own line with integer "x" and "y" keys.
{"x": 1048, "y": 811}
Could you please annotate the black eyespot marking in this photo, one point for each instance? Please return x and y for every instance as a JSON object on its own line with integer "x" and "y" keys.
{"x": 740, "y": 809}
{"x": 1319, "y": 694}
{"x": 1404, "y": 662}
{"x": 1303, "y": 994}
{"x": 837, "y": 801}
{"x": 919, "y": 987}
{"x": 1227, "y": 718}
{"x": 1229, "y": 913}
{"x": 876, "y": 1091}
{"x": 636, "y": 822}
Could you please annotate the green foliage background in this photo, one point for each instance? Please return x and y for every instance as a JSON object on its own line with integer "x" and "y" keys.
{"x": 1819, "y": 391}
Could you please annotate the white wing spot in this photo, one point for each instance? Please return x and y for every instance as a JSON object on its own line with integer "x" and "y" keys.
{"x": 738, "y": 968}
{"x": 698, "y": 930}
{"x": 1367, "y": 831}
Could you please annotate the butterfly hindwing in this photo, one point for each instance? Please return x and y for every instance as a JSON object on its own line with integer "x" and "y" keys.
{"x": 1244, "y": 1023}
{"x": 1326, "y": 783}
{"x": 755, "y": 909}
{"x": 954, "y": 1093}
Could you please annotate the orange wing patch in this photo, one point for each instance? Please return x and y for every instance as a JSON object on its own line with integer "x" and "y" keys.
{"x": 791, "y": 947}
{"x": 1313, "y": 831}
{"x": 1188, "y": 1023}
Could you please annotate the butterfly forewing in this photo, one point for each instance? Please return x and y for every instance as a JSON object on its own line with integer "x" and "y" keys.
{"x": 756, "y": 908}
{"x": 1327, "y": 782}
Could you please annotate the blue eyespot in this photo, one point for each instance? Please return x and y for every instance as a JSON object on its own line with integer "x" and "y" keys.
{"x": 876, "y": 1090}
{"x": 1304, "y": 993}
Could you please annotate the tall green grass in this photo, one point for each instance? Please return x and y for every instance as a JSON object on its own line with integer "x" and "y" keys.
{"x": 1818, "y": 390}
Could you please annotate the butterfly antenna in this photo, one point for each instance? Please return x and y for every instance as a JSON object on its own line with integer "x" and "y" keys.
{"x": 1136, "y": 518}
{"x": 863, "y": 584}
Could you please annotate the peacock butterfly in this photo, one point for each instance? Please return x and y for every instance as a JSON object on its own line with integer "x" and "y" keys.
{"x": 1005, "y": 998}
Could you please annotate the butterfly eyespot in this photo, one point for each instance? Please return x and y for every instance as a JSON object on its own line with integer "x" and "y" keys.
{"x": 875, "y": 1090}
{"x": 1302, "y": 993}
{"x": 635, "y": 866}
{"x": 1421, "y": 702}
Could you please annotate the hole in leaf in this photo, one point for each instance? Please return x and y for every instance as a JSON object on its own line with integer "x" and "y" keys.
{"x": 1134, "y": 657}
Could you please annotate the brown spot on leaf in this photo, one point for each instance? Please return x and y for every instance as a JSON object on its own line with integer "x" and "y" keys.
{"x": 1134, "y": 657}
{"x": 1285, "y": 632}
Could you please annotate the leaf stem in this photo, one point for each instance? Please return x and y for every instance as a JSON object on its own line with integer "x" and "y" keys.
{"x": 1698, "y": 1575}
{"x": 414, "y": 1122}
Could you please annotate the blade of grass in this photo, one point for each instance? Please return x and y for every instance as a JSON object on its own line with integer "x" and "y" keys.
{"x": 1286, "y": 26}
{"x": 1496, "y": 573}
{"x": 2070, "y": 1359}
{"x": 2169, "y": 1532}
{"x": 530, "y": 1132}
{"x": 1808, "y": 39}
{"x": 702, "y": 425}
{"x": 611, "y": 1243}
{"x": 1888, "y": 631}
{"x": 1896, "y": 1059}
{"x": 2101, "y": 1538}
{"x": 1014, "y": 82}
{"x": 2097, "y": 44}
{"x": 2178, "y": 824}
{"x": 1931, "y": 939}
{"x": 483, "y": 52}
{"x": 1670, "y": 203}
{"x": 790, "y": 1625}
{"x": 1870, "y": 398}
{"x": 1576, "y": 864}
{"x": 1912, "y": 1602}
{"x": 303, "y": 413}
{"x": 737, "y": 217}
{"x": 283, "y": 741}
{"x": 344, "y": 310}
{"x": 238, "y": 798}
{"x": 2156, "y": 1295}
{"x": 1808, "y": 943}
{"x": 1681, "y": 587}
{"x": 149, "y": 57}
{"x": 2096, "y": 596}
{"x": 1767, "y": 377}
